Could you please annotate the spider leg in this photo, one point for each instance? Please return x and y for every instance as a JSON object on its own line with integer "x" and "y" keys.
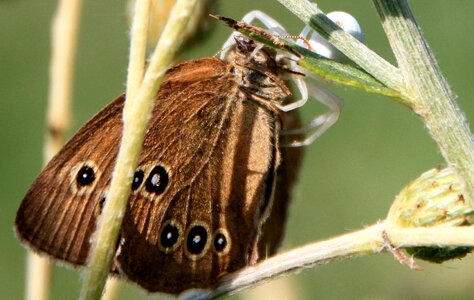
{"x": 316, "y": 127}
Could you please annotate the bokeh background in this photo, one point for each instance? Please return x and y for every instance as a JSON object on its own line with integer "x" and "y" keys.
{"x": 349, "y": 176}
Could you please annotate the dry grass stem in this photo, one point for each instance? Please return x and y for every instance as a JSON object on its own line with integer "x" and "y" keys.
{"x": 63, "y": 48}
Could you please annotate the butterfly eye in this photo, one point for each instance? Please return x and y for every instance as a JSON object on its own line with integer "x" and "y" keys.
{"x": 85, "y": 176}
{"x": 196, "y": 241}
{"x": 137, "y": 179}
{"x": 221, "y": 242}
{"x": 157, "y": 181}
{"x": 170, "y": 236}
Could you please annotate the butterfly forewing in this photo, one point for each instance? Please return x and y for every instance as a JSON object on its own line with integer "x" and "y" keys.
{"x": 58, "y": 214}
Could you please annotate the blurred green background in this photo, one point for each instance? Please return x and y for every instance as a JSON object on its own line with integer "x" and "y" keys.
{"x": 349, "y": 177}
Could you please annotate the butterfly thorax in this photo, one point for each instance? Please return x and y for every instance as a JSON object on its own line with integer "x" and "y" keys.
{"x": 258, "y": 72}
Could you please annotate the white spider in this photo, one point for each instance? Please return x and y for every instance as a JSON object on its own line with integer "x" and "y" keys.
{"x": 316, "y": 127}
{"x": 321, "y": 46}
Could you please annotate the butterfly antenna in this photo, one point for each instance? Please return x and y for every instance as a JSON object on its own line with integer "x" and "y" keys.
{"x": 297, "y": 37}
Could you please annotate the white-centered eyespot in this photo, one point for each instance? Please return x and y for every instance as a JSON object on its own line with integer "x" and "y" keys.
{"x": 221, "y": 242}
{"x": 197, "y": 240}
{"x": 170, "y": 236}
{"x": 84, "y": 177}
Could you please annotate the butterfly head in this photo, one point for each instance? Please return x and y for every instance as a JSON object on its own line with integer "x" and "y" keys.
{"x": 258, "y": 71}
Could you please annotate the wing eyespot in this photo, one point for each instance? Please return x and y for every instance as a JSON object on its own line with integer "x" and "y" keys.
{"x": 170, "y": 236}
{"x": 221, "y": 242}
{"x": 84, "y": 177}
{"x": 157, "y": 181}
{"x": 137, "y": 179}
{"x": 197, "y": 241}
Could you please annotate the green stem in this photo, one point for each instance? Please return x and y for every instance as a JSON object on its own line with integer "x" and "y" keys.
{"x": 433, "y": 99}
{"x": 135, "y": 122}
{"x": 347, "y": 44}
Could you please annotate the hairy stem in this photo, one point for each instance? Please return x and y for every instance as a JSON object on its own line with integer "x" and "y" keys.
{"x": 367, "y": 241}
{"x": 368, "y": 60}
{"x": 135, "y": 122}
{"x": 136, "y": 71}
{"x": 433, "y": 99}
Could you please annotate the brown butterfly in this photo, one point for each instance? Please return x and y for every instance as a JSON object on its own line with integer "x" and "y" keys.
{"x": 203, "y": 187}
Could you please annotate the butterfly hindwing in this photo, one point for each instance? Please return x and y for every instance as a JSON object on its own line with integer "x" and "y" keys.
{"x": 287, "y": 174}
{"x": 219, "y": 185}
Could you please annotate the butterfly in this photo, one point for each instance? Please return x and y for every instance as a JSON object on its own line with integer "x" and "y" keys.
{"x": 204, "y": 184}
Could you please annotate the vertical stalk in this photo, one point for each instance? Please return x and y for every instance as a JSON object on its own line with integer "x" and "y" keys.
{"x": 112, "y": 288}
{"x": 38, "y": 277}
{"x": 138, "y": 46}
{"x": 423, "y": 81}
{"x": 63, "y": 51}
{"x": 136, "y": 71}
{"x": 135, "y": 122}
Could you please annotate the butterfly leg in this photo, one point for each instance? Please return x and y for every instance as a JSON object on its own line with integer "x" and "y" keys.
{"x": 309, "y": 132}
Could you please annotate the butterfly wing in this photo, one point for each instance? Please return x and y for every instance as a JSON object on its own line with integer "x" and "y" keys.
{"x": 273, "y": 230}
{"x": 213, "y": 160}
{"x": 200, "y": 193}
{"x": 58, "y": 213}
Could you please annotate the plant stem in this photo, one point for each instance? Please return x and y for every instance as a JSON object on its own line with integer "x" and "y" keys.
{"x": 363, "y": 242}
{"x": 38, "y": 277}
{"x": 138, "y": 46}
{"x": 433, "y": 99}
{"x": 135, "y": 122}
{"x": 368, "y": 60}
{"x": 112, "y": 288}
{"x": 63, "y": 52}
{"x": 136, "y": 71}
